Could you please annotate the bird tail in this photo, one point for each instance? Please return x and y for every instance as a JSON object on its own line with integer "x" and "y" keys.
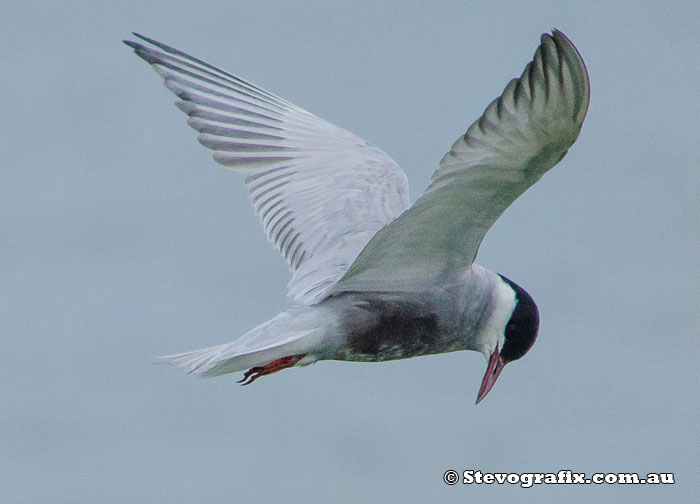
{"x": 286, "y": 334}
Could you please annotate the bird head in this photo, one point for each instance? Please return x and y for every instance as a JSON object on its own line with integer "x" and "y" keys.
{"x": 520, "y": 334}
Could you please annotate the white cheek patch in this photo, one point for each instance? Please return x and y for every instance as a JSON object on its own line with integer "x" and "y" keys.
{"x": 504, "y": 302}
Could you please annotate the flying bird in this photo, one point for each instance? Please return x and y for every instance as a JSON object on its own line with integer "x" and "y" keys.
{"x": 373, "y": 277}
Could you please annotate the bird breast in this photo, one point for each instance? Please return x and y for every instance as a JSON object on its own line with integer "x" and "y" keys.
{"x": 379, "y": 327}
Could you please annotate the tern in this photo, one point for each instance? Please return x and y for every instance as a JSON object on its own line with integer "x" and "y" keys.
{"x": 375, "y": 278}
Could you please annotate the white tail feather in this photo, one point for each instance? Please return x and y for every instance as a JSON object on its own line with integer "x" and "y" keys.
{"x": 284, "y": 335}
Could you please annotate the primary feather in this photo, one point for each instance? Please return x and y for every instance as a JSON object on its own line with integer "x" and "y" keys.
{"x": 520, "y": 136}
{"x": 320, "y": 192}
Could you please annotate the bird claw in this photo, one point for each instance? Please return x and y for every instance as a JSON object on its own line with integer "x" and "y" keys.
{"x": 252, "y": 373}
{"x": 272, "y": 367}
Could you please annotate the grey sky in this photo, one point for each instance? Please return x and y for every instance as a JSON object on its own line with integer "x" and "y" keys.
{"x": 121, "y": 240}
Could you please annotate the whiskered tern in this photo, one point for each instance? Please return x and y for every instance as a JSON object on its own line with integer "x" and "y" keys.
{"x": 373, "y": 277}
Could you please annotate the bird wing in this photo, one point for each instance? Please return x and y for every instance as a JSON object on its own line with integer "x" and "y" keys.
{"x": 519, "y": 137}
{"x": 321, "y": 192}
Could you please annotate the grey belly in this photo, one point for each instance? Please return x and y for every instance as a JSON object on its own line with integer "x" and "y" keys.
{"x": 380, "y": 329}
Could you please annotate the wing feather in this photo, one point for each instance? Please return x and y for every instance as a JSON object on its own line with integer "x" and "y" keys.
{"x": 520, "y": 136}
{"x": 320, "y": 192}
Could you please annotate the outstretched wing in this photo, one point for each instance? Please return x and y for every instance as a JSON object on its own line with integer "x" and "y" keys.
{"x": 520, "y": 136}
{"x": 320, "y": 191}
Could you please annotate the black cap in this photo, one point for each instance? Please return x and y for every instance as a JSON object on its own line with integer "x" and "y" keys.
{"x": 521, "y": 330}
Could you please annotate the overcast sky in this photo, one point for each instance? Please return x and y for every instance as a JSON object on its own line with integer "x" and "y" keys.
{"x": 121, "y": 239}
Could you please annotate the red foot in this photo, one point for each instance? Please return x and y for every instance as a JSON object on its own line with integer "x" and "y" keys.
{"x": 277, "y": 365}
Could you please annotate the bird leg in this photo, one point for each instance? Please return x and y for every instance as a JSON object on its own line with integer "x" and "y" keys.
{"x": 277, "y": 365}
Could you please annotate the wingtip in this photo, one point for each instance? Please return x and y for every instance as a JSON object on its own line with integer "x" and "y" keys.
{"x": 559, "y": 35}
{"x": 142, "y": 37}
{"x": 562, "y": 40}
{"x": 148, "y": 40}
{"x": 577, "y": 65}
{"x": 556, "y": 35}
{"x": 133, "y": 44}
